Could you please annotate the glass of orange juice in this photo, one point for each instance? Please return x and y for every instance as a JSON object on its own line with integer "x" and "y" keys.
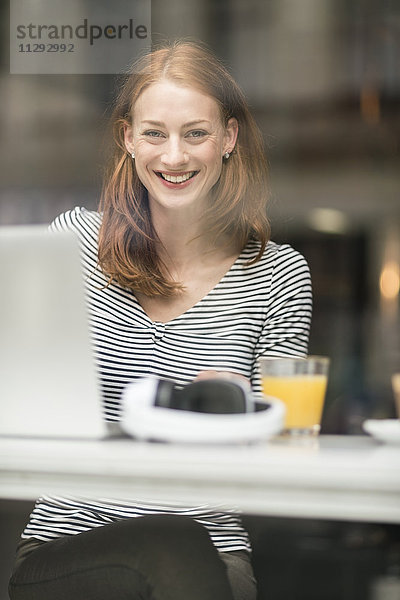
{"x": 300, "y": 383}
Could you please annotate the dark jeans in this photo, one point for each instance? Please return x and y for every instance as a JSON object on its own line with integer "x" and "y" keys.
{"x": 160, "y": 557}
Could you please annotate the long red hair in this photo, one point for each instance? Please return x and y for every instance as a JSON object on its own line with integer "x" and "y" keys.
{"x": 237, "y": 207}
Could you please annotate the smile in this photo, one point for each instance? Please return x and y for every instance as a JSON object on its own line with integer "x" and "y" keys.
{"x": 179, "y": 178}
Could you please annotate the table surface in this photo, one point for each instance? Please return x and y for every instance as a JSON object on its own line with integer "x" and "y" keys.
{"x": 334, "y": 477}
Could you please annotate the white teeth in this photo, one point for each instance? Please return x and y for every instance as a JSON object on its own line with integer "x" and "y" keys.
{"x": 177, "y": 178}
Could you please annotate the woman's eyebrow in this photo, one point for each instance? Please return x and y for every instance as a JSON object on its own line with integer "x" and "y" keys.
{"x": 154, "y": 123}
{"x": 161, "y": 124}
{"x": 196, "y": 122}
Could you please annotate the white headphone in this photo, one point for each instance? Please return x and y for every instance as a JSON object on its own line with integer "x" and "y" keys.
{"x": 153, "y": 409}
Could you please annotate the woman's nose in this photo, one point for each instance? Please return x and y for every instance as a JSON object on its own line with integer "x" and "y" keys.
{"x": 174, "y": 153}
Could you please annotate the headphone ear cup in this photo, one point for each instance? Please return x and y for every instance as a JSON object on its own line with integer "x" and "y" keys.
{"x": 211, "y": 396}
{"x": 164, "y": 393}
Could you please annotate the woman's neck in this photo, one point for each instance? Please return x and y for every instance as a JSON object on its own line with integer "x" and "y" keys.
{"x": 183, "y": 243}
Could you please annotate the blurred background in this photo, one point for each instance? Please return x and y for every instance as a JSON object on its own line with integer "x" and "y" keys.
{"x": 323, "y": 80}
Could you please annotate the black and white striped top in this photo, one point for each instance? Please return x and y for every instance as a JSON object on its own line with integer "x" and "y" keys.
{"x": 258, "y": 309}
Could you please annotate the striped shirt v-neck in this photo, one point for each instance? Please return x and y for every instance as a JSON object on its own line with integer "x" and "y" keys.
{"x": 261, "y": 309}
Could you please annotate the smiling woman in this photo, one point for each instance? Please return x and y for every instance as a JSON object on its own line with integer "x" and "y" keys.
{"x": 181, "y": 114}
{"x": 178, "y": 152}
{"x": 182, "y": 283}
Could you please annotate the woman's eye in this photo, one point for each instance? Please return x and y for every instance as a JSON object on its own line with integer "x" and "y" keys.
{"x": 197, "y": 133}
{"x": 153, "y": 134}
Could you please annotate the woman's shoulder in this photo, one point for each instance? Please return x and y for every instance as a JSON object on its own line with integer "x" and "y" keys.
{"x": 274, "y": 256}
{"x": 85, "y": 223}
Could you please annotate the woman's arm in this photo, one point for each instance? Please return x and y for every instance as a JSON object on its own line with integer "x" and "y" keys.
{"x": 287, "y": 315}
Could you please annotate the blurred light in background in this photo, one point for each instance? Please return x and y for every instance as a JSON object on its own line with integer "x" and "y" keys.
{"x": 389, "y": 277}
{"x": 328, "y": 220}
{"x": 389, "y": 281}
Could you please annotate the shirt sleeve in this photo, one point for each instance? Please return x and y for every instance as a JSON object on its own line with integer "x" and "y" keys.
{"x": 84, "y": 223}
{"x": 287, "y": 325}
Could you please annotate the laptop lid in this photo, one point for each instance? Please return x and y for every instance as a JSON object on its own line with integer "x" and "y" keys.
{"x": 48, "y": 383}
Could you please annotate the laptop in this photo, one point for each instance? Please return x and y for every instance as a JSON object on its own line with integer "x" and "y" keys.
{"x": 48, "y": 381}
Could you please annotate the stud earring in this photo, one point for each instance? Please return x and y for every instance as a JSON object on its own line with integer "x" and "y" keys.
{"x": 226, "y": 155}
{"x": 133, "y": 155}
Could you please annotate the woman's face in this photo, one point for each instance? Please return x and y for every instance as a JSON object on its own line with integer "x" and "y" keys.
{"x": 179, "y": 140}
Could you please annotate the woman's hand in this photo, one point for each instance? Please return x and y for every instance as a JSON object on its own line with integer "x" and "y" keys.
{"x": 221, "y": 375}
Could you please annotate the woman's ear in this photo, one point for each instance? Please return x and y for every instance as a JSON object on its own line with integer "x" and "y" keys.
{"x": 231, "y": 133}
{"x": 128, "y": 138}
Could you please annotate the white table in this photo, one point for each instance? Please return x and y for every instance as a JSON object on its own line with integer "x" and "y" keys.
{"x": 346, "y": 478}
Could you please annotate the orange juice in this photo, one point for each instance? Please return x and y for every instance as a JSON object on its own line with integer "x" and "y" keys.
{"x": 303, "y": 396}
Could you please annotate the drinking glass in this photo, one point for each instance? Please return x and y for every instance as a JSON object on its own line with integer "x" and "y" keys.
{"x": 300, "y": 383}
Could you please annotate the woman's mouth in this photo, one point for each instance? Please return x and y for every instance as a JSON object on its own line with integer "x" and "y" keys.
{"x": 176, "y": 178}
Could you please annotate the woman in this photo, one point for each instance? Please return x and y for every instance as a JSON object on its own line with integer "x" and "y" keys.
{"x": 182, "y": 283}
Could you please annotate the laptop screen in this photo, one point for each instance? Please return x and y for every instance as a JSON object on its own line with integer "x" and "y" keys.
{"x": 48, "y": 384}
